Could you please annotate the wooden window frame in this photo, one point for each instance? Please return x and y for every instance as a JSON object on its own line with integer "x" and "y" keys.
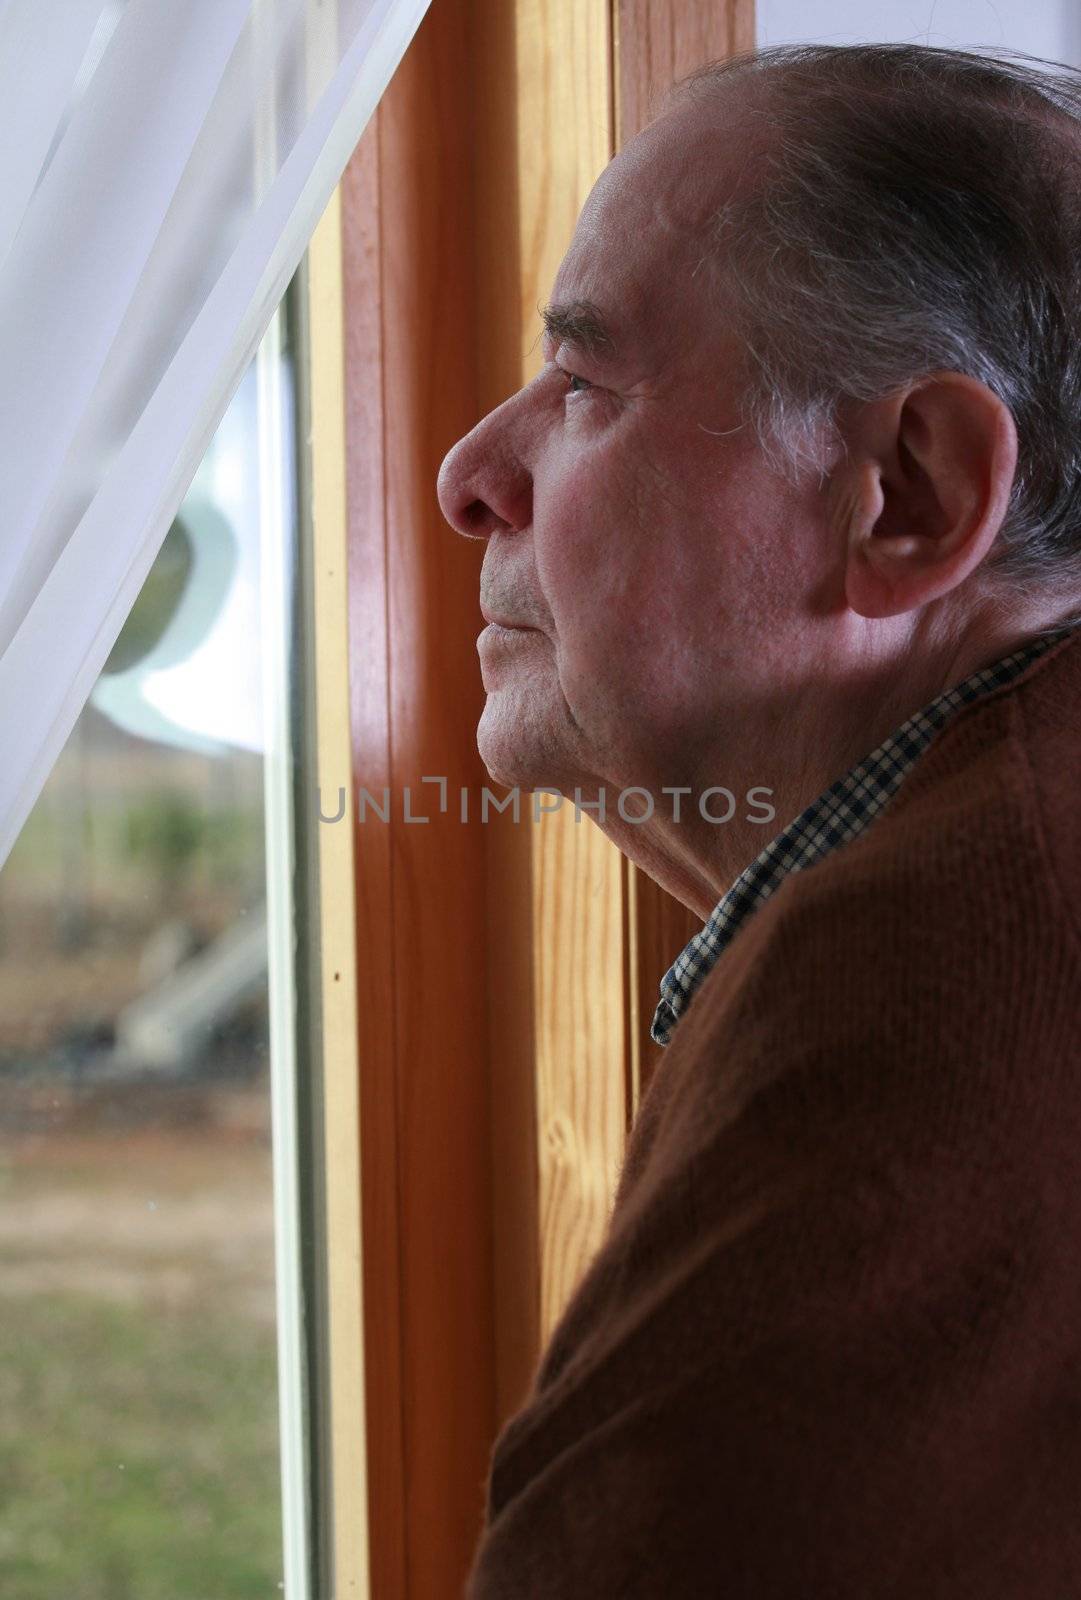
{"x": 488, "y": 990}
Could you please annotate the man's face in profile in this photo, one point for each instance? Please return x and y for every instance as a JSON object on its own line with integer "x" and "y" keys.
{"x": 653, "y": 573}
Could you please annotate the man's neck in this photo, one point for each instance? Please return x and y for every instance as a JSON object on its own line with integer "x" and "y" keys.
{"x": 696, "y": 858}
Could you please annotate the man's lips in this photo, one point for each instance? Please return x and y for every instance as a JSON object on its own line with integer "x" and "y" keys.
{"x": 506, "y": 622}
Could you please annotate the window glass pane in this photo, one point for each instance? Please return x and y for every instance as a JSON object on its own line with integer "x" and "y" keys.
{"x": 139, "y": 1434}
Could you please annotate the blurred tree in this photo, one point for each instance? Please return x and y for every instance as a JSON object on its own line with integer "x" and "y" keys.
{"x": 167, "y": 832}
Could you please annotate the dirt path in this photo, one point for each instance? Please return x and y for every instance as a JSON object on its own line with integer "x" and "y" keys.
{"x": 160, "y": 1216}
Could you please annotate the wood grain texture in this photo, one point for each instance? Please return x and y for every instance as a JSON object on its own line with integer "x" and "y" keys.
{"x": 497, "y": 331}
{"x": 581, "y": 1041}
{"x": 658, "y": 41}
{"x": 563, "y": 73}
{"x": 416, "y": 697}
{"x": 564, "y": 113}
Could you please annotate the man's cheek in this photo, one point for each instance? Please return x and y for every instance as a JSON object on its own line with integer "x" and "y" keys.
{"x": 565, "y": 550}
{"x": 585, "y": 546}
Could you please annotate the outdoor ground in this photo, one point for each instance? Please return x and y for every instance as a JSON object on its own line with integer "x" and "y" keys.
{"x": 138, "y": 1399}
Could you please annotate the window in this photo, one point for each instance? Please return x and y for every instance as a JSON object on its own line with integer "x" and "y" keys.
{"x": 158, "y": 1262}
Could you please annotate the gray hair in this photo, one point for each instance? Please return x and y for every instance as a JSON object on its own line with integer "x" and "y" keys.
{"x": 917, "y": 209}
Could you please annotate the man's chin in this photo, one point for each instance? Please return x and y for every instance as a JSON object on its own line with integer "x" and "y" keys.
{"x": 517, "y": 760}
{"x": 509, "y": 769}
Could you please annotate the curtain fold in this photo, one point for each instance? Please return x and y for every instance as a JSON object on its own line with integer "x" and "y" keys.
{"x": 39, "y": 59}
{"x": 153, "y": 218}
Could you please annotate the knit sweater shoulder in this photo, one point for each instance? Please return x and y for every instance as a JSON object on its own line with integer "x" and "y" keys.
{"x": 831, "y": 1344}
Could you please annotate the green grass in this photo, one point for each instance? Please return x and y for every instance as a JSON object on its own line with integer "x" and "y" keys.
{"x": 138, "y": 1453}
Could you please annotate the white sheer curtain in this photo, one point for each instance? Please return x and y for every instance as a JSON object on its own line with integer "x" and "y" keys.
{"x": 163, "y": 164}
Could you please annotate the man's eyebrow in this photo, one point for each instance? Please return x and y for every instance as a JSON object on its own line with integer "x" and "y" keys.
{"x": 580, "y": 324}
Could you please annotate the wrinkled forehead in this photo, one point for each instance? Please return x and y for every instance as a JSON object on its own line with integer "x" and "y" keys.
{"x": 642, "y": 231}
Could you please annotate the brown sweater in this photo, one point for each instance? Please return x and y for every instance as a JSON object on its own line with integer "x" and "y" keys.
{"x": 831, "y": 1346}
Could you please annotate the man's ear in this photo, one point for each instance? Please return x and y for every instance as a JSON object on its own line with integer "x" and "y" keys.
{"x": 923, "y": 491}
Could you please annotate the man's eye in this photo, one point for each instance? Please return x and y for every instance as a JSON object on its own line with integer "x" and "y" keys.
{"x": 575, "y": 384}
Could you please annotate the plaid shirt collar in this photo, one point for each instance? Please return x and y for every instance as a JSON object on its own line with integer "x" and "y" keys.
{"x": 838, "y": 815}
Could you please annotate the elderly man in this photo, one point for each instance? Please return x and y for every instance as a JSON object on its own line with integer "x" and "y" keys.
{"x": 795, "y": 506}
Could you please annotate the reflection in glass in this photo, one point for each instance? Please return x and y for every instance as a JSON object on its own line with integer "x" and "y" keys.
{"x": 138, "y": 1371}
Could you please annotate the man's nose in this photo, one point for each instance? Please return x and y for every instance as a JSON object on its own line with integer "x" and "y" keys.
{"x": 484, "y": 487}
